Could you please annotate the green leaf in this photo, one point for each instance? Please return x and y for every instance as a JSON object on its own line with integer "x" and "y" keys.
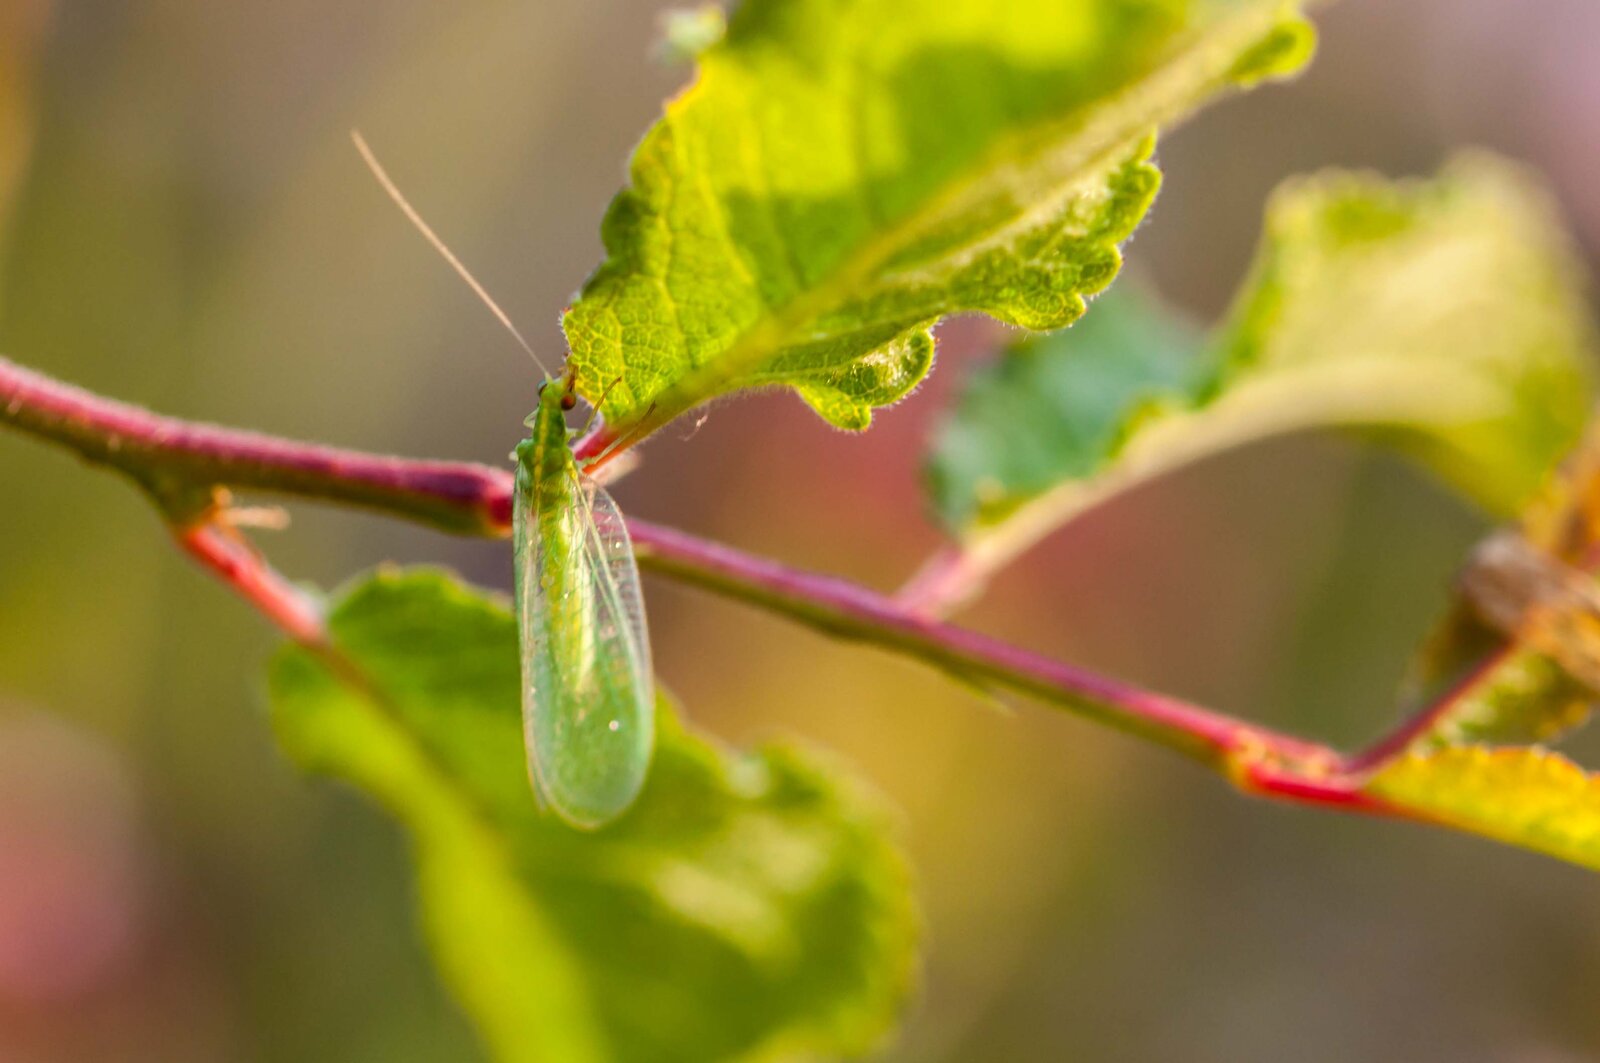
{"x": 749, "y": 906}
{"x": 1443, "y": 316}
{"x": 1448, "y": 312}
{"x": 1060, "y": 407}
{"x": 843, "y": 173}
{"x": 1527, "y": 797}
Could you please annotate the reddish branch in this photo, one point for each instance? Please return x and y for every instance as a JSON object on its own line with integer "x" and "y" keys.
{"x": 165, "y": 455}
{"x": 237, "y": 564}
{"x": 455, "y": 496}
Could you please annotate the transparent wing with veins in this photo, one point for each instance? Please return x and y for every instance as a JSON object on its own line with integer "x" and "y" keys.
{"x": 588, "y": 693}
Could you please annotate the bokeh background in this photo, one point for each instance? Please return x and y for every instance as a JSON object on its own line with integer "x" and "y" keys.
{"x": 186, "y": 226}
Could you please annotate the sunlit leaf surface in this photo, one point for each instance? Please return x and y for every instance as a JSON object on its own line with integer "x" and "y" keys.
{"x": 1528, "y": 797}
{"x": 840, "y": 175}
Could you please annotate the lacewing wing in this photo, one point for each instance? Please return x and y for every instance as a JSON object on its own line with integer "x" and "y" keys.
{"x": 588, "y": 703}
{"x": 588, "y": 699}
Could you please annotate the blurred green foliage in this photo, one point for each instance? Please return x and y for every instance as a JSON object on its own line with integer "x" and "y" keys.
{"x": 1060, "y": 407}
{"x": 746, "y": 907}
{"x": 1444, "y": 316}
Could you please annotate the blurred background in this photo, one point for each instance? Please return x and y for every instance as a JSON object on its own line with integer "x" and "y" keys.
{"x": 184, "y": 224}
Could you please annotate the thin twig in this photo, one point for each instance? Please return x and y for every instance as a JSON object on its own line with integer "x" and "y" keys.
{"x": 233, "y": 561}
{"x": 847, "y": 610}
{"x": 941, "y": 586}
{"x": 458, "y": 497}
{"x": 476, "y": 500}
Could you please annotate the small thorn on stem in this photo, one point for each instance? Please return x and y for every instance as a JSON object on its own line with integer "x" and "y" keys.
{"x": 262, "y": 518}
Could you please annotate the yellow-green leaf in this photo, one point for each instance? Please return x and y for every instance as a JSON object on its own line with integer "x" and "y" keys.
{"x": 1527, "y": 797}
{"x": 843, "y": 173}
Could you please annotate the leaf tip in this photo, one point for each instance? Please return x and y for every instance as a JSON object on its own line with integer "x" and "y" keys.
{"x": 689, "y": 32}
{"x": 1282, "y": 53}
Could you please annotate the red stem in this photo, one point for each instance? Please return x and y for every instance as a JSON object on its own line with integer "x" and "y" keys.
{"x": 237, "y": 564}
{"x": 941, "y": 585}
{"x": 476, "y": 499}
{"x": 1409, "y": 730}
{"x": 847, "y": 609}
{"x": 456, "y": 496}
{"x": 591, "y": 449}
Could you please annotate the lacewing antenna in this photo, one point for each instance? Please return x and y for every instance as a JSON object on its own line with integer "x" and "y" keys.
{"x": 623, "y": 438}
{"x": 428, "y": 234}
{"x": 594, "y": 412}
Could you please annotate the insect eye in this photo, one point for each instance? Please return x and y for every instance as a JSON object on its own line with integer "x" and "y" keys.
{"x": 568, "y": 401}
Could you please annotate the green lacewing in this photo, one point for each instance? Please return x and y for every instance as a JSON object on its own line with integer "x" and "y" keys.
{"x": 588, "y": 692}
{"x": 588, "y": 699}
